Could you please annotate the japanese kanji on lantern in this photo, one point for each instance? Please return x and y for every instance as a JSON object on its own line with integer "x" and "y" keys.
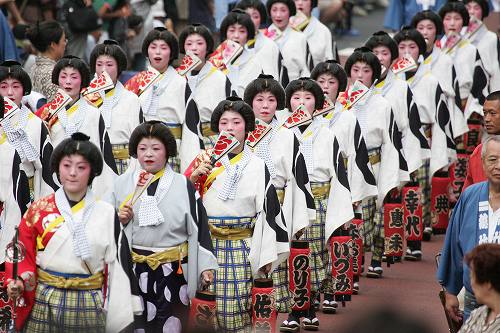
{"x": 202, "y": 312}
{"x": 5, "y": 305}
{"x": 299, "y": 272}
{"x": 340, "y": 249}
{"x": 439, "y": 201}
{"x": 357, "y": 244}
{"x": 263, "y": 306}
{"x": 458, "y": 172}
{"x": 393, "y": 230}
{"x": 473, "y": 137}
{"x": 412, "y": 209}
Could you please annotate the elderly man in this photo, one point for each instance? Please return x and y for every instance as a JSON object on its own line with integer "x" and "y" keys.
{"x": 475, "y": 220}
{"x": 491, "y": 110}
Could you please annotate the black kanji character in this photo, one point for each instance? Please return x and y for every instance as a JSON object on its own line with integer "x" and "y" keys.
{"x": 411, "y": 201}
{"x": 396, "y": 220}
{"x": 441, "y": 204}
{"x": 412, "y": 225}
{"x": 262, "y": 306}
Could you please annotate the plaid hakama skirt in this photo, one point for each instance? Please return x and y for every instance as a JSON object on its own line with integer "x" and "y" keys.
{"x": 66, "y": 310}
{"x": 164, "y": 295}
{"x": 315, "y": 235}
{"x": 373, "y": 228}
{"x": 121, "y": 161}
{"x": 424, "y": 182}
{"x": 233, "y": 279}
{"x": 209, "y": 137}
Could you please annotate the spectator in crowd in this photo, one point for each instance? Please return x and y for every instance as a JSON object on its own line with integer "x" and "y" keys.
{"x": 484, "y": 265}
{"x": 8, "y": 48}
{"x": 475, "y": 220}
{"x": 400, "y": 12}
{"x": 49, "y": 40}
{"x": 203, "y": 11}
{"x": 491, "y": 114}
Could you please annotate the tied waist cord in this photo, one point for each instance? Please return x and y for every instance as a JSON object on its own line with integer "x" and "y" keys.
{"x": 427, "y": 130}
{"x": 65, "y": 281}
{"x": 231, "y": 228}
{"x": 171, "y": 254}
{"x": 281, "y": 195}
{"x": 206, "y": 130}
{"x": 374, "y": 156}
{"x": 320, "y": 190}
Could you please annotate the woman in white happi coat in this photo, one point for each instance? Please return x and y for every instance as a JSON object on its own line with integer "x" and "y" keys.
{"x": 120, "y": 108}
{"x": 381, "y": 134}
{"x": 280, "y": 150}
{"x": 249, "y": 234}
{"x": 168, "y": 99}
{"x": 430, "y": 25}
{"x": 399, "y": 95}
{"x": 472, "y": 77}
{"x": 436, "y": 121}
{"x": 292, "y": 44}
{"x": 332, "y": 79}
{"x": 318, "y": 36}
{"x": 266, "y": 49}
{"x": 208, "y": 85}
{"x": 238, "y": 27}
{"x": 166, "y": 227}
{"x": 330, "y": 188}
{"x": 71, "y": 74}
{"x": 70, "y": 279}
{"x": 26, "y": 132}
{"x": 486, "y": 42}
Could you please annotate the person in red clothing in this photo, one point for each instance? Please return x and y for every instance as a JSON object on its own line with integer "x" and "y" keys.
{"x": 491, "y": 110}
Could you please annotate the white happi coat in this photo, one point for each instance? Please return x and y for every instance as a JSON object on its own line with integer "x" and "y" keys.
{"x": 293, "y": 47}
{"x": 320, "y": 41}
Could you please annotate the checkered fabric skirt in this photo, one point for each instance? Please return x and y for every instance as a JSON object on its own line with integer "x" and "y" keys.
{"x": 66, "y": 310}
{"x": 284, "y": 298}
{"x": 424, "y": 182}
{"x": 373, "y": 228}
{"x": 233, "y": 279}
{"x": 121, "y": 165}
{"x": 315, "y": 234}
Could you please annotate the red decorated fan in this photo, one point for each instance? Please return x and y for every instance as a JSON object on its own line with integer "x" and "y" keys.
{"x": 225, "y": 143}
{"x": 299, "y": 117}
{"x": 299, "y": 22}
{"x": 148, "y": 78}
{"x": 9, "y": 107}
{"x": 59, "y": 102}
{"x": 272, "y": 33}
{"x": 327, "y": 107}
{"x": 403, "y": 65}
{"x": 474, "y": 25}
{"x": 452, "y": 40}
{"x": 189, "y": 62}
{"x": 357, "y": 91}
{"x": 231, "y": 52}
{"x": 260, "y": 131}
{"x": 143, "y": 181}
{"x": 216, "y": 57}
{"x": 99, "y": 83}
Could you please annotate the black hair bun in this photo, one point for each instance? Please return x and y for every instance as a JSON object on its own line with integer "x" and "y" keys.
{"x": 304, "y": 78}
{"x": 79, "y": 136}
{"x": 10, "y": 63}
{"x": 380, "y": 33}
{"x": 265, "y": 76}
{"x": 234, "y": 99}
{"x": 111, "y": 42}
{"x": 238, "y": 11}
{"x": 362, "y": 49}
{"x": 160, "y": 29}
{"x": 332, "y": 61}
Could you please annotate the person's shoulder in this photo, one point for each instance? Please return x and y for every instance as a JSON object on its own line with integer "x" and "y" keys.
{"x": 472, "y": 189}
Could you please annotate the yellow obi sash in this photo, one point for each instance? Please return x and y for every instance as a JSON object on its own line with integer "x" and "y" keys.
{"x": 281, "y": 195}
{"x": 79, "y": 283}
{"x": 320, "y": 190}
{"x": 120, "y": 152}
{"x": 175, "y": 129}
{"x": 231, "y": 228}
{"x": 206, "y": 130}
{"x": 374, "y": 156}
{"x": 154, "y": 260}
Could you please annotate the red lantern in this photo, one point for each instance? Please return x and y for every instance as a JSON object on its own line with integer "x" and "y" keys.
{"x": 357, "y": 244}
{"x": 473, "y": 137}
{"x": 263, "y": 306}
{"x": 458, "y": 173}
{"x": 412, "y": 206}
{"x": 340, "y": 249}
{"x": 439, "y": 201}
{"x": 299, "y": 273}
{"x": 393, "y": 229}
{"x": 202, "y": 312}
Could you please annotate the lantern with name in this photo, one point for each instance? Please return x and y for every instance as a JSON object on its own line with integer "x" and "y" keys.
{"x": 202, "y": 312}
{"x": 340, "y": 249}
{"x": 412, "y": 206}
{"x": 458, "y": 172}
{"x": 299, "y": 272}
{"x": 263, "y": 306}
{"x": 393, "y": 230}
{"x": 357, "y": 244}
{"x": 439, "y": 201}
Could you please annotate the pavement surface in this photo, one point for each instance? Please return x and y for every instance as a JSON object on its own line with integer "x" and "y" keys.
{"x": 408, "y": 287}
